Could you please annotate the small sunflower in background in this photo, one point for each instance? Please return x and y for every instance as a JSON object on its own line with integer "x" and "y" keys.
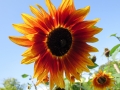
{"x": 106, "y": 52}
{"x": 57, "y": 41}
{"x": 102, "y": 81}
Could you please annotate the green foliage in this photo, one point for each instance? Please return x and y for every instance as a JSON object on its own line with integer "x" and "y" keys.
{"x": 87, "y": 85}
{"x": 67, "y": 84}
{"x": 2, "y": 88}
{"x": 12, "y": 84}
{"x": 24, "y": 75}
{"x": 109, "y": 66}
{"x": 77, "y": 86}
{"x": 114, "y": 49}
{"x": 91, "y": 67}
{"x": 113, "y": 35}
{"x": 117, "y": 77}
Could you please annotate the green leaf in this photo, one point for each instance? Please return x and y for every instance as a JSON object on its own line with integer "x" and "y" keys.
{"x": 67, "y": 84}
{"x": 91, "y": 67}
{"x": 77, "y": 86}
{"x": 114, "y": 49}
{"x": 87, "y": 85}
{"x": 24, "y": 75}
{"x": 113, "y": 35}
{"x": 117, "y": 77}
{"x": 47, "y": 83}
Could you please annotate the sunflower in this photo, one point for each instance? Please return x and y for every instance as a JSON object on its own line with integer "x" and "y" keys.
{"x": 57, "y": 41}
{"x": 102, "y": 80}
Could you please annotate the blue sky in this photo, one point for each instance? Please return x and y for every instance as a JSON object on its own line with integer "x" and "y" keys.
{"x": 10, "y": 12}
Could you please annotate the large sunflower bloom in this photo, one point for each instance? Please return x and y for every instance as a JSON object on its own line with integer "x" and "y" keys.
{"x": 102, "y": 80}
{"x": 57, "y": 42}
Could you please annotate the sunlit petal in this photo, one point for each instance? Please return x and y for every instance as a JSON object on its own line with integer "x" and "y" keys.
{"x": 22, "y": 41}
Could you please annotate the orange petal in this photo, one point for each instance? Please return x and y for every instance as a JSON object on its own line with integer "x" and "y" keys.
{"x": 28, "y": 53}
{"x": 36, "y": 12}
{"x": 78, "y": 15}
{"x": 28, "y": 60}
{"x": 79, "y": 48}
{"x": 37, "y": 67}
{"x": 84, "y": 47}
{"x": 91, "y": 39}
{"x": 24, "y": 28}
{"x": 49, "y": 23}
{"x": 30, "y": 20}
{"x": 44, "y": 13}
{"x": 40, "y": 65}
{"x": 51, "y": 8}
{"x": 51, "y": 83}
{"x": 71, "y": 68}
{"x": 65, "y": 4}
{"x": 80, "y": 61}
{"x": 84, "y": 24}
{"x": 86, "y": 32}
{"x": 36, "y": 37}
{"x": 34, "y": 50}
{"x": 22, "y": 41}
{"x": 42, "y": 27}
{"x": 54, "y": 72}
{"x": 67, "y": 75}
{"x": 41, "y": 76}
{"x": 60, "y": 79}
{"x": 64, "y": 16}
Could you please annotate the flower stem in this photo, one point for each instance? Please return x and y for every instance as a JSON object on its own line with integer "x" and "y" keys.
{"x": 118, "y": 38}
{"x": 116, "y": 68}
{"x": 108, "y": 64}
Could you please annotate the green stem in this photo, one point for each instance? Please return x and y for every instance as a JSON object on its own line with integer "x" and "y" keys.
{"x": 108, "y": 64}
{"x": 118, "y": 38}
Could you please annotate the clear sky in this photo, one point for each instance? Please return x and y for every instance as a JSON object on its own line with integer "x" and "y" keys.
{"x": 10, "y": 12}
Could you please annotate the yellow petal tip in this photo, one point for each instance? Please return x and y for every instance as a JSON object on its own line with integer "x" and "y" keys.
{"x": 87, "y": 7}
{"x": 97, "y": 19}
{"x": 13, "y": 25}
{"x": 22, "y": 62}
{"x": 10, "y": 37}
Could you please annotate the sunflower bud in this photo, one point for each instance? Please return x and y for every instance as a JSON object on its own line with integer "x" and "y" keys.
{"x": 29, "y": 87}
{"x": 107, "y": 52}
{"x": 93, "y": 59}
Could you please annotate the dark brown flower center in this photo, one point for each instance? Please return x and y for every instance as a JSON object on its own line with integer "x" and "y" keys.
{"x": 101, "y": 80}
{"x": 58, "y": 88}
{"x": 59, "y": 41}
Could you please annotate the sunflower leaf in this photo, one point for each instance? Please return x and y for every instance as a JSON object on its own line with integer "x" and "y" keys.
{"x": 114, "y": 49}
{"x": 24, "y": 75}
{"x": 77, "y": 86}
{"x": 87, "y": 85}
{"x": 67, "y": 84}
{"x": 117, "y": 77}
{"x": 118, "y": 38}
{"x": 113, "y": 35}
{"x": 91, "y": 67}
